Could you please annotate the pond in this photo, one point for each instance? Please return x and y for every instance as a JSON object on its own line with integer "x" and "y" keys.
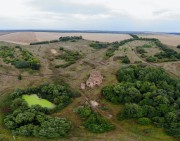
{"x": 35, "y": 100}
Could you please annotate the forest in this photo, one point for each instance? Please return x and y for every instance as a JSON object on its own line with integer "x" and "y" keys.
{"x": 149, "y": 95}
{"x": 36, "y": 120}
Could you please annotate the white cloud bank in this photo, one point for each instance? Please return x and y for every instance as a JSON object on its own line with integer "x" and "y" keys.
{"x": 124, "y": 15}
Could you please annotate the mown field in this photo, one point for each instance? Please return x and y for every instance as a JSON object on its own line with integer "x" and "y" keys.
{"x": 81, "y": 65}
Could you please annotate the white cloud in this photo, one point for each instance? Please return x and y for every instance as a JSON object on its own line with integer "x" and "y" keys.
{"x": 90, "y": 14}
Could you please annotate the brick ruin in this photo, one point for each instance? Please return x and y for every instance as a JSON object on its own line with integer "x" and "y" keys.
{"x": 94, "y": 79}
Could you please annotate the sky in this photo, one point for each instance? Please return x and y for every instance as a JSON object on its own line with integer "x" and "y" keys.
{"x": 110, "y": 15}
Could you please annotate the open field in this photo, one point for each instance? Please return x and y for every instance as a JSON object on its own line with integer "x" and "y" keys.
{"x": 172, "y": 40}
{"x": 78, "y": 73}
{"x": 25, "y": 38}
{"x": 41, "y": 36}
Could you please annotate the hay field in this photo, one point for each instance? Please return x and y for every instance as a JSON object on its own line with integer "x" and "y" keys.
{"x": 23, "y": 38}
{"x": 41, "y": 36}
{"x": 172, "y": 40}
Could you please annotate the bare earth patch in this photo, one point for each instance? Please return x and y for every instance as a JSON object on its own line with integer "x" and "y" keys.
{"x": 53, "y": 51}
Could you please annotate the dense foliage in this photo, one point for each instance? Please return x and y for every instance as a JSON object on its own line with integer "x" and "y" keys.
{"x": 140, "y": 50}
{"x": 147, "y": 92}
{"x": 125, "y": 59}
{"x": 70, "y": 38}
{"x": 134, "y": 36}
{"x": 98, "y": 45}
{"x": 19, "y": 57}
{"x": 94, "y": 122}
{"x": 151, "y": 59}
{"x": 35, "y": 121}
{"x": 69, "y": 56}
{"x": 39, "y": 43}
{"x": 58, "y": 94}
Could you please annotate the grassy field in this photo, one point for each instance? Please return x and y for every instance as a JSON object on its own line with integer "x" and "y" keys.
{"x": 35, "y": 100}
{"x": 74, "y": 75}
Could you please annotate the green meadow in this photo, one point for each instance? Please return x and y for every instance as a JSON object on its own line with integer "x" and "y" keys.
{"x": 35, "y": 100}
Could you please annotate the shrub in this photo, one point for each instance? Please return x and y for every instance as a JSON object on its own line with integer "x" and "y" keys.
{"x": 140, "y": 50}
{"x": 151, "y": 59}
{"x": 83, "y": 111}
{"x": 131, "y": 111}
{"x": 98, "y": 45}
{"x": 97, "y": 124}
{"x": 144, "y": 121}
{"x": 125, "y": 59}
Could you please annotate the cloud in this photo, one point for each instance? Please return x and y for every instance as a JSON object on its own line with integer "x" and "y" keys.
{"x": 143, "y": 15}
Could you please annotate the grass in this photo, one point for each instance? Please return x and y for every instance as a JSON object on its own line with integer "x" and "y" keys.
{"x": 126, "y": 130}
{"x": 35, "y": 100}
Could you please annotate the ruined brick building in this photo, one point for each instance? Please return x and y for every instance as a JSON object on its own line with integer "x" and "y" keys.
{"x": 94, "y": 79}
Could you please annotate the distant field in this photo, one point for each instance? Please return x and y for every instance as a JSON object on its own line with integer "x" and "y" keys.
{"x": 25, "y": 38}
{"x": 168, "y": 39}
{"x": 19, "y": 37}
{"x": 41, "y": 36}
{"x": 4, "y": 33}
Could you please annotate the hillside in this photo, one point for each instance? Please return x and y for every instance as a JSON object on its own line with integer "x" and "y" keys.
{"x": 72, "y": 62}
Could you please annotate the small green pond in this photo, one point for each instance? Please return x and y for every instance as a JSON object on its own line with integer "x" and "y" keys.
{"x": 35, "y": 100}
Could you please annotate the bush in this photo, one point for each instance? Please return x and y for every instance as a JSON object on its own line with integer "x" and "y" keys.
{"x": 144, "y": 121}
{"x": 178, "y": 46}
{"x": 69, "y": 56}
{"x": 97, "y": 124}
{"x": 175, "y": 132}
{"x": 83, "y": 111}
{"x": 140, "y": 50}
{"x": 151, "y": 59}
{"x": 131, "y": 111}
{"x": 98, "y": 45}
{"x": 125, "y": 59}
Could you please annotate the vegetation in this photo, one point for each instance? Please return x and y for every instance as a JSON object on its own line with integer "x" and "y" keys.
{"x": 125, "y": 59}
{"x": 70, "y": 38}
{"x": 19, "y": 57}
{"x": 178, "y": 46}
{"x": 147, "y": 92}
{"x": 134, "y": 36}
{"x": 69, "y": 56}
{"x": 140, "y": 50}
{"x": 151, "y": 59}
{"x": 144, "y": 121}
{"x": 167, "y": 54}
{"x": 98, "y": 45}
{"x": 94, "y": 122}
{"x": 62, "y": 39}
{"x": 24, "y": 120}
{"x": 39, "y": 43}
